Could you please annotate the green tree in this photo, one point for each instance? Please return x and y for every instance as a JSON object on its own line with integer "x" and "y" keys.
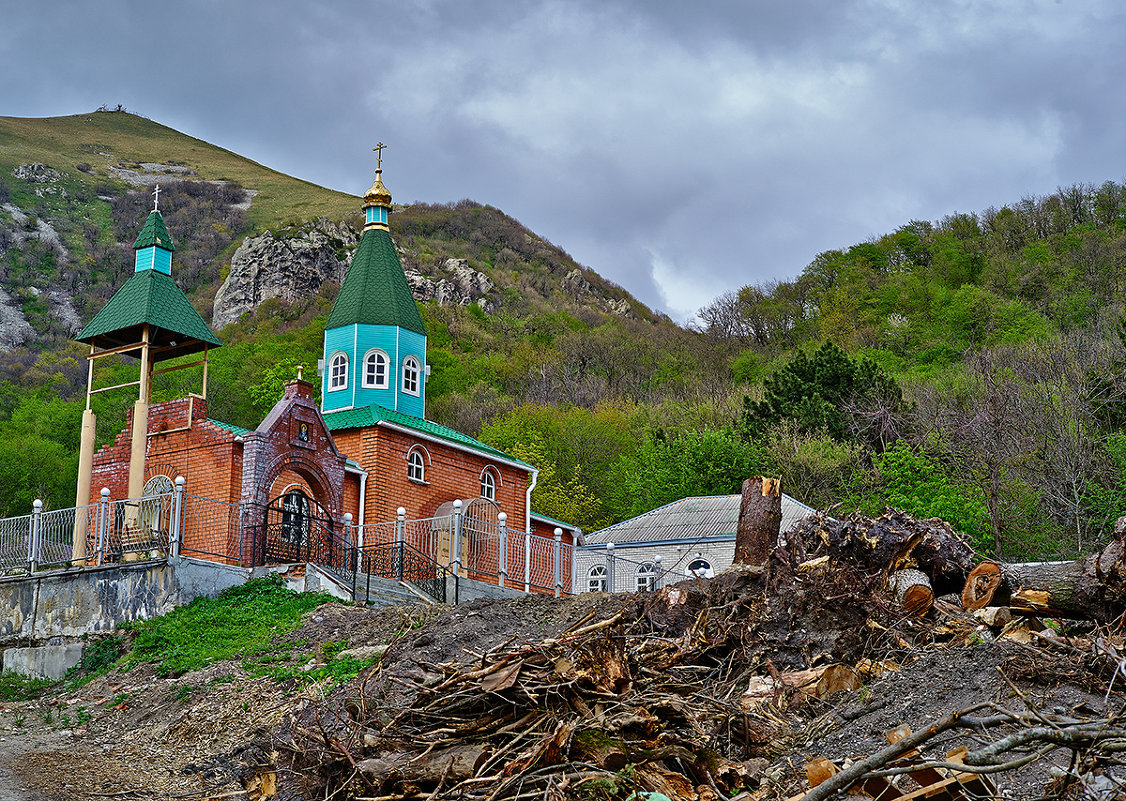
{"x": 828, "y": 391}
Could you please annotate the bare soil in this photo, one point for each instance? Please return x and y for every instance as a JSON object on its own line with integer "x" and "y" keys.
{"x": 201, "y": 735}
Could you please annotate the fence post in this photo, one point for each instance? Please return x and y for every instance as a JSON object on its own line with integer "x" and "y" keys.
{"x": 610, "y": 567}
{"x": 502, "y": 547}
{"x": 557, "y": 556}
{"x": 527, "y": 561}
{"x": 103, "y": 524}
{"x": 400, "y": 537}
{"x": 33, "y": 536}
{"x": 455, "y": 546}
{"x": 175, "y": 529}
{"x": 657, "y": 572}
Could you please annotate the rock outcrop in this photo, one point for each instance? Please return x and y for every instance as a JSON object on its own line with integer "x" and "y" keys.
{"x": 464, "y": 286}
{"x": 283, "y": 266}
{"x": 37, "y": 173}
{"x": 15, "y": 330}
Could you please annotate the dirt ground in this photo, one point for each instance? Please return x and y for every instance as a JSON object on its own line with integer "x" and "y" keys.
{"x": 137, "y": 735}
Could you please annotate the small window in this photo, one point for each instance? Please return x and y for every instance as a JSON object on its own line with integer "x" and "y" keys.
{"x": 410, "y": 375}
{"x": 338, "y": 372}
{"x": 699, "y": 568}
{"x": 488, "y": 485}
{"x": 375, "y": 369}
{"x": 596, "y": 579}
{"x": 416, "y": 466}
{"x": 645, "y": 577}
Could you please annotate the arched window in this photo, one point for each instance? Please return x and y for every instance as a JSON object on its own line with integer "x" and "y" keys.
{"x": 156, "y": 507}
{"x": 295, "y": 517}
{"x": 699, "y": 568}
{"x": 596, "y": 579}
{"x": 416, "y": 466}
{"x": 410, "y": 375}
{"x": 375, "y": 369}
{"x": 645, "y": 577}
{"x": 338, "y": 372}
{"x": 488, "y": 484}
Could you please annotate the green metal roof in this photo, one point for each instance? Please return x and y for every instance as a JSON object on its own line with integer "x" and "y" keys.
{"x": 555, "y": 520}
{"x": 370, "y": 415}
{"x": 154, "y": 298}
{"x": 375, "y": 290}
{"x": 154, "y": 233}
{"x": 237, "y": 430}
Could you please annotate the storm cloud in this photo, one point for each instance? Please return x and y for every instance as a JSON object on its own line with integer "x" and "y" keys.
{"x": 679, "y": 149}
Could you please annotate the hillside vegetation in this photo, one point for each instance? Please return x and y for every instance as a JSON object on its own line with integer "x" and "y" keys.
{"x": 970, "y": 368}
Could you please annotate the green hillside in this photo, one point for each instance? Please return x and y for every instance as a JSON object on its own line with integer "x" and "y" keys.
{"x": 971, "y": 368}
{"x": 117, "y": 139}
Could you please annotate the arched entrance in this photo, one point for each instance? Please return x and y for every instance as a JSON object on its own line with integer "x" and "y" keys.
{"x": 298, "y": 529}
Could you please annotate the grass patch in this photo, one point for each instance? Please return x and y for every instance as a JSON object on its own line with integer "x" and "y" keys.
{"x": 14, "y": 687}
{"x": 240, "y": 622}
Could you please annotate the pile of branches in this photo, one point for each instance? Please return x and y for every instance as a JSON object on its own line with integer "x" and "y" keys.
{"x": 651, "y": 699}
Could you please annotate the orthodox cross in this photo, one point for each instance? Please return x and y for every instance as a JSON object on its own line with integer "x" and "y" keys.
{"x": 156, "y": 197}
{"x": 379, "y": 155}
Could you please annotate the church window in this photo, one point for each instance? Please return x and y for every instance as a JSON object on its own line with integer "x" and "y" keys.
{"x": 410, "y": 375}
{"x": 489, "y": 485}
{"x": 596, "y": 579}
{"x": 338, "y": 372}
{"x": 416, "y": 466}
{"x": 375, "y": 369}
{"x": 645, "y": 577}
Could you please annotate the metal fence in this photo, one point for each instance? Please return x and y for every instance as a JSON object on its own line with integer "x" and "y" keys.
{"x": 424, "y": 552}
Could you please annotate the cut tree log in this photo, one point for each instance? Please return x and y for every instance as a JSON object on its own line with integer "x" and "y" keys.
{"x": 456, "y": 763}
{"x": 894, "y": 541}
{"x": 1092, "y": 588}
{"x": 760, "y": 518}
{"x": 912, "y": 591}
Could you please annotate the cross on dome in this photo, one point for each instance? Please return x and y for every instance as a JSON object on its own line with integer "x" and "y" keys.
{"x": 378, "y": 149}
{"x": 156, "y": 198}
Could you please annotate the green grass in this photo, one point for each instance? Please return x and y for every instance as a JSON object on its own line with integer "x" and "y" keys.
{"x": 14, "y": 687}
{"x": 241, "y": 622}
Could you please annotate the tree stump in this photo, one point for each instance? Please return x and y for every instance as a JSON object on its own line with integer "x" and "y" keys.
{"x": 760, "y": 518}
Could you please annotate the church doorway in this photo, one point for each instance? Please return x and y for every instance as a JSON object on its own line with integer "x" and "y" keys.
{"x": 298, "y": 529}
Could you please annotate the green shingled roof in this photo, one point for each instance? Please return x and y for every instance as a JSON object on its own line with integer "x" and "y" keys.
{"x": 154, "y": 298}
{"x": 154, "y": 233}
{"x": 375, "y": 291}
{"x": 236, "y": 430}
{"x": 370, "y": 415}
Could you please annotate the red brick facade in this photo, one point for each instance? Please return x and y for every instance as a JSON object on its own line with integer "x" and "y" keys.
{"x": 292, "y": 447}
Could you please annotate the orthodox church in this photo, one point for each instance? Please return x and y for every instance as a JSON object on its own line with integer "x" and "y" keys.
{"x": 365, "y": 455}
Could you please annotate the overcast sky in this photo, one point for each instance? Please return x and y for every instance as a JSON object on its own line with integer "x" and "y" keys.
{"x": 680, "y": 149}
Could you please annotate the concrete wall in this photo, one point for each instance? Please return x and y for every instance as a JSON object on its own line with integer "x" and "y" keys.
{"x": 65, "y": 604}
{"x": 470, "y": 590}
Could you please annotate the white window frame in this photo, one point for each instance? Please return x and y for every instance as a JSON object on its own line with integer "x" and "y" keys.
{"x": 706, "y": 572}
{"x": 646, "y": 577}
{"x": 412, "y": 376}
{"x": 416, "y": 465}
{"x": 339, "y": 358}
{"x": 597, "y": 579}
{"x": 376, "y": 353}
{"x": 489, "y": 484}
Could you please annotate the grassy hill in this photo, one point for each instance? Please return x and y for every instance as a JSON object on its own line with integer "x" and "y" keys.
{"x": 115, "y": 139}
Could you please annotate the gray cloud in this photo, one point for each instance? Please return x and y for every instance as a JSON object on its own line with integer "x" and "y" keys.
{"x": 679, "y": 149}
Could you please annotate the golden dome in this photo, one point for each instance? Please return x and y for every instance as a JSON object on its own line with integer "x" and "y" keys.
{"x": 378, "y": 192}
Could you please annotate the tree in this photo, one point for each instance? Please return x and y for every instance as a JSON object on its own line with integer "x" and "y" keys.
{"x": 828, "y": 391}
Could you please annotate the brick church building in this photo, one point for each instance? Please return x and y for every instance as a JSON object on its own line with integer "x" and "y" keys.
{"x": 352, "y": 465}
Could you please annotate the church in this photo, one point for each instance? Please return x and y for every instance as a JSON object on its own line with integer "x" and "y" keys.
{"x": 359, "y": 468}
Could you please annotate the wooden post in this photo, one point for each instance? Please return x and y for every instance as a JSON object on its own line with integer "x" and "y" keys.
{"x": 760, "y": 518}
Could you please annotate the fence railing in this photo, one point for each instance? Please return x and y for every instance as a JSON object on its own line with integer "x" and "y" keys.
{"x": 606, "y": 570}
{"x": 427, "y": 552}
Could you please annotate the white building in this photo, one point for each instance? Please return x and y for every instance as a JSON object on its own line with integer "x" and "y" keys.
{"x": 692, "y": 536}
